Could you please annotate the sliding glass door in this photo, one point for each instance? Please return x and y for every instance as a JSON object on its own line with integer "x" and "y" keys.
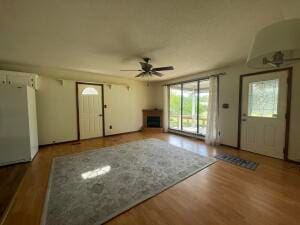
{"x": 175, "y": 107}
{"x": 202, "y": 107}
{"x": 189, "y": 106}
{"x": 188, "y": 102}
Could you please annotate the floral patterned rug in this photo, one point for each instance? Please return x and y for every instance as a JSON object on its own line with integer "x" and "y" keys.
{"x": 92, "y": 187}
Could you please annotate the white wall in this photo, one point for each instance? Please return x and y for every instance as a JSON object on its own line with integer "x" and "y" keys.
{"x": 56, "y": 108}
{"x": 229, "y": 93}
{"x": 57, "y": 111}
{"x": 124, "y": 107}
{"x": 56, "y": 102}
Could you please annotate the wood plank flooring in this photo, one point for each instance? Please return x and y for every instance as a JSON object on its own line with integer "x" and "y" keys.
{"x": 220, "y": 194}
{"x": 10, "y": 179}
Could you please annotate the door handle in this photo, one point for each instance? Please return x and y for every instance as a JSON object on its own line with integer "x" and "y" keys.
{"x": 244, "y": 120}
{"x": 100, "y": 115}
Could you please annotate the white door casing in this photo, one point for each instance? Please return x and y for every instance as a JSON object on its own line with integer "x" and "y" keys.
{"x": 90, "y": 111}
{"x": 263, "y": 113}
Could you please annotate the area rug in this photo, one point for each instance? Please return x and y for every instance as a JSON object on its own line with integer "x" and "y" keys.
{"x": 237, "y": 161}
{"x": 92, "y": 187}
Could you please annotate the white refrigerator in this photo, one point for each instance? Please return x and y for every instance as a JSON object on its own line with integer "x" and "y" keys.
{"x": 18, "y": 124}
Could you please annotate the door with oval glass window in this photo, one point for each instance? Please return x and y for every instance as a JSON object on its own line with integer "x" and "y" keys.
{"x": 90, "y": 111}
{"x": 263, "y": 113}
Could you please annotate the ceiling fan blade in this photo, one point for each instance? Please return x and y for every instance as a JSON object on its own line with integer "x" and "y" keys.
{"x": 292, "y": 59}
{"x": 157, "y": 73}
{"x": 163, "y": 68}
{"x": 131, "y": 70}
{"x": 140, "y": 74}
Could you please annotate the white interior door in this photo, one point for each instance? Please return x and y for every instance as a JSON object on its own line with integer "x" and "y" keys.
{"x": 90, "y": 111}
{"x": 263, "y": 119}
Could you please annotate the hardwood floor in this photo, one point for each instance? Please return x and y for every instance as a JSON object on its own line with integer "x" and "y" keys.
{"x": 10, "y": 177}
{"x": 220, "y": 194}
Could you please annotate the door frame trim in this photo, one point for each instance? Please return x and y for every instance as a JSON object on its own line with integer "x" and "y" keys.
{"x": 288, "y": 105}
{"x": 77, "y": 107}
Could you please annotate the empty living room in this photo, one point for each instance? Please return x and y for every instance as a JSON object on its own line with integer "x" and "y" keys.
{"x": 160, "y": 112}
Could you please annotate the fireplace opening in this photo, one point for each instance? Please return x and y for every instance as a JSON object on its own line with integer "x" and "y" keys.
{"x": 153, "y": 121}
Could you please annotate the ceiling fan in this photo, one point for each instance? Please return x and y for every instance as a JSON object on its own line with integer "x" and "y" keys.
{"x": 147, "y": 69}
{"x": 278, "y": 59}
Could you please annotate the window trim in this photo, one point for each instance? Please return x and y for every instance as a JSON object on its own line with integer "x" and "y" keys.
{"x": 186, "y": 132}
{"x": 250, "y": 93}
{"x": 198, "y": 92}
{"x": 181, "y": 84}
{"x": 181, "y": 105}
{"x": 169, "y": 107}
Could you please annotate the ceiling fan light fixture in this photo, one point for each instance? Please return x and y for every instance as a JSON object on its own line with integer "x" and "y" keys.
{"x": 276, "y": 45}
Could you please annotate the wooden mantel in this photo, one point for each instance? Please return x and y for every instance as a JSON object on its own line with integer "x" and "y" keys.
{"x": 152, "y": 112}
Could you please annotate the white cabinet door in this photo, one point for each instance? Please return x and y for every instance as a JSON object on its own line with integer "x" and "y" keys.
{"x": 32, "y": 119}
{"x": 14, "y": 133}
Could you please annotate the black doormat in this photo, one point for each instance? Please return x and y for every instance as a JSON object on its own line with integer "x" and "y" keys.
{"x": 237, "y": 161}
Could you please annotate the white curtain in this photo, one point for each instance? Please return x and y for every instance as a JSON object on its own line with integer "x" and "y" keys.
{"x": 212, "y": 134}
{"x": 165, "y": 109}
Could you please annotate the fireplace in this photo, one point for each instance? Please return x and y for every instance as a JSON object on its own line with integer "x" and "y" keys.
{"x": 152, "y": 119}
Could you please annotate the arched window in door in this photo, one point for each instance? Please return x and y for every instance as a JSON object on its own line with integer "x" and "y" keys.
{"x": 89, "y": 91}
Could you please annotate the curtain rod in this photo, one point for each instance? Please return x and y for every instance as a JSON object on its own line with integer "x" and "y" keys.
{"x": 218, "y": 74}
{"x": 201, "y": 78}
